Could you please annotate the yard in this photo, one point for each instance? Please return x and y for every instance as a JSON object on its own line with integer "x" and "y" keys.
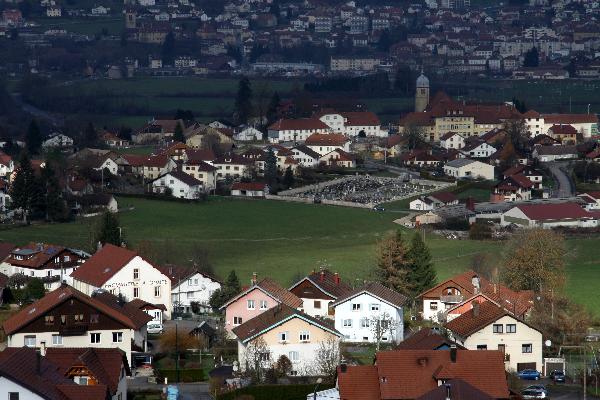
{"x": 284, "y": 240}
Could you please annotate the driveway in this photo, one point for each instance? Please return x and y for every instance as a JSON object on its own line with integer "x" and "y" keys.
{"x": 564, "y": 186}
{"x": 187, "y": 391}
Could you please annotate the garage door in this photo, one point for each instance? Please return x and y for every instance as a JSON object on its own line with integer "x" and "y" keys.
{"x": 522, "y": 366}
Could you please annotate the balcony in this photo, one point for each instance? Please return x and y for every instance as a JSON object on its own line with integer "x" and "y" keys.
{"x": 454, "y": 299}
{"x": 73, "y": 330}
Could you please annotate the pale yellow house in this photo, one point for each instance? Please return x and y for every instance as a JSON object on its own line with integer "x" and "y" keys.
{"x": 285, "y": 331}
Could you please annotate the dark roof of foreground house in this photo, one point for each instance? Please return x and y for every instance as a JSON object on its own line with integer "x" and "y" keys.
{"x": 456, "y": 389}
{"x": 427, "y": 339}
{"x": 377, "y": 290}
{"x": 272, "y": 289}
{"x": 327, "y": 282}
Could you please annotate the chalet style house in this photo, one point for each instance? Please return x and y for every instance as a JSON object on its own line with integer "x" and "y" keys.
{"x": 51, "y": 263}
{"x": 123, "y": 272}
{"x": 318, "y": 290}
{"x": 68, "y": 318}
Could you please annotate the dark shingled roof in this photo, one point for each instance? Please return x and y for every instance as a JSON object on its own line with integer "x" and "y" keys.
{"x": 458, "y": 390}
{"x": 376, "y": 289}
{"x": 426, "y": 339}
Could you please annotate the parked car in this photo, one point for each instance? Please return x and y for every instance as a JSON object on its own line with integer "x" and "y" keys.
{"x": 530, "y": 374}
{"x": 558, "y": 376}
{"x": 155, "y": 328}
{"x": 534, "y": 393}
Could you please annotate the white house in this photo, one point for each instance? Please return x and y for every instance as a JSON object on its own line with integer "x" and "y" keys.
{"x": 122, "y": 271}
{"x": 466, "y": 168}
{"x": 488, "y": 326}
{"x": 549, "y": 215}
{"x": 108, "y": 164}
{"x": 326, "y": 143}
{"x": 180, "y": 184}
{"x": 307, "y": 157}
{"x": 370, "y": 309}
{"x": 478, "y": 150}
{"x": 353, "y": 124}
{"x": 248, "y": 134}
{"x": 249, "y": 189}
{"x": 452, "y": 140}
{"x": 553, "y": 153}
{"x": 57, "y": 141}
{"x": 318, "y": 291}
{"x": 433, "y": 201}
{"x": 7, "y": 165}
{"x": 192, "y": 286}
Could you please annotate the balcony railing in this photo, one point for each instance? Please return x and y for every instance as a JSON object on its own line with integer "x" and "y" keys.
{"x": 73, "y": 330}
{"x": 451, "y": 299}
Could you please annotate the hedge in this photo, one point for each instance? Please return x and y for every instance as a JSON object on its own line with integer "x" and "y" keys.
{"x": 185, "y": 375}
{"x": 271, "y": 392}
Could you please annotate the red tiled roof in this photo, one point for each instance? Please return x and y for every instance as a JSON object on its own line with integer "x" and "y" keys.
{"x": 417, "y": 119}
{"x": 553, "y": 211}
{"x": 107, "y": 261}
{"x": 329, "y": 283}
{"x": 134, "y": 160}
{"x": 298, "y": 124}
{"x": 40, "y": 255}
{"x": 359, "y": 382}
{"x": 444, "y": 197}
{"x": 563, "y": 130}
{"x": 570, "y": 118}
{"x": 255, "y": 186}
{"x": 409, "y": 374}
{"x": 361, "y": 118}
{"x": 458, "y": 389}
{"x": 426, "y": 339}
{"x": 269, "y": 319}
{"x": 514, "y": 182}
{"x": 332, "y": 139}
{"x": 199, "y": 155}
{"x": 59, "y": 296}
{"x": 157, "y": 161}
{"x": 474, "y": 320}
{"x": 531, "y": 114}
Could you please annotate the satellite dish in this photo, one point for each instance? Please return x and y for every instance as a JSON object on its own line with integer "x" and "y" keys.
{"x": 548, "y": 342}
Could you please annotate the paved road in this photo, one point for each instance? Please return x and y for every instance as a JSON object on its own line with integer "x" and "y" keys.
{"x": 187, "y": 391}
{"x": 564, "y": 186}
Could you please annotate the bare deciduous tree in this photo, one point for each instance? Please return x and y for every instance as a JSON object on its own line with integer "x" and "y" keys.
{"x": 256, "y": 359}
{"x": 327, "y": 358}
{"x": 382, "y": 326}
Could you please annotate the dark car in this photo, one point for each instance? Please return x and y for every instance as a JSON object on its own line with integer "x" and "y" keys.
{"x": 558, "y": 376}
{"x": 534, "y": 393}
{"x": 530, "y": 374}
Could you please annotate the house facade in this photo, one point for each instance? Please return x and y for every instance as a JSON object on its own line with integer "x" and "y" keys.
{"x": 464, "y": 168}
{"x": 179, "y": 184}
{"x": 193, "y": 286}
{"x": 318, "y": 291}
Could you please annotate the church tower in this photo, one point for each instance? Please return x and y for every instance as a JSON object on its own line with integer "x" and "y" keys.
{"x": 422, "y": 93}
{"x": 130, "y": 19}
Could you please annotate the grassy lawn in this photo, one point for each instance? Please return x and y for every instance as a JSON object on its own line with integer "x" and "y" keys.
{"x": 283, "y": 240}
{"x": 141, "y": 150}
{"x": 85, "y": 26}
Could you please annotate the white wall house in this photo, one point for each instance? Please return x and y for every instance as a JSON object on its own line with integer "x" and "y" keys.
{"x": 357, "y": 315}
{"x": 57, "y": 141}
{"x": 195, "y": 287}
{"x": 110, "y": 165}
{"x": 464, "y": 168}
{"x": 122, "y": 271}
{"x": 452, "y": 140}
{"x": 520, "y": 342}
{"x": 307, "y": 157}
{"x": 180, "y": 184}
{"x": 480, "y": 150}
{"x": 248, "y": 134}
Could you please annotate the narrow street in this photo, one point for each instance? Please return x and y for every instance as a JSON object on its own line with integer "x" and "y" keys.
{"x": 564, "y": 185}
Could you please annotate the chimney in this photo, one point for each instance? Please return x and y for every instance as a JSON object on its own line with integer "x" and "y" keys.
{"x": 322, "y": 276}
{"x": 253, "y": 280}
{"x": 43, "y": 348}
{"x": 453, "y": 353}
{"x": 448, "y": 391}
{"x": 343, "y": 367}
{"x": 475, "y": 309}
{"x": 337, "y": 278}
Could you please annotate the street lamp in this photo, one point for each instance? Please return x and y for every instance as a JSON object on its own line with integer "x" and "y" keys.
{"x": 319, "y": 381}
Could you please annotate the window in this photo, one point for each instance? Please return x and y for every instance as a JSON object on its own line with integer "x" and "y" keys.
{"x": 189, "y": 282}
{"x": 283, "y": 336}
{"x": 511, "y": 328}
{"x": 265, "y": 356}
{"x": 13, "y": 396}
{"x": 136, "y": 273}
{"x": 156, "y": 291}
{"x": 294, "y": 356}
{"x": 78, "y": 317}
{"x": 237, "y": 320}
{"x": 304, "y": 336}
{"x": 94, "y": 318}
{"x": 527, "y": 348}
{"x": 263, "y": 304}
{"x": 482, "y": 347}
{"x": 190, "y": 295}
{"x": 498, "y": 328}
{"x": 196, "y": 281}
{"x": 49, "y": 319}
{"x": 250, "y": 304}
{"x": 374, "y": 307}
{"x": 347, "y": 323}
{"x": 94, "y": 338}
{"x": 57, "y": 340}
{"x": 355, "y": 307}
{"x": 30, "y": 341}
{"x": 317, "y": 304}
{"x": 136, "y": 292}
{"x": 364, "y": 323}
{"x": 433, "y": 305}
{"x": 82, "y": 380}
{"x": 117, "y": 337}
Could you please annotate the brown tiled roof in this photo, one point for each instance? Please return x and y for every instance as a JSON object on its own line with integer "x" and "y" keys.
{"x": 298, "y": 124}
{"x": 378, "y": 290}
{"x": 275, "y": 316}
{"x": 553, "y": 211}
{"x": 458, "y": 389}
{"x": 157, "y": 161}
{"x": 256, "y": 186}
{"x": 132, "y": 310}
{"x": 280, "y": 293}
{"x": 134, "y": 160}
{"x": 409, "y": 374}
{"x": 5, "y": 249}
{"x": 24, "y": 367}
{"x": 107, "y": 261}
{"x": 185, "y": 178}
{"x": 104, "y": 364}
{"x": 563, "y": 130}
{"x": 359, "y": 382}
{"x": 361, "y": 118}
{"x": 515, "y": 181}
{"x": 195, "y": 156}
{"x": 444, "y": 197}
{"x": 570, "y": 118}
{"x": 41, "y": 253}
{"x": 556, "y": 150}
{"x": 59, "y": 296}
{"x": 326, "y": 281}
{"x": 426, "y": 339}
{"x": 324, "y": 139}
{"x": 417, "y": 119}
{"x": 473, "y": 321}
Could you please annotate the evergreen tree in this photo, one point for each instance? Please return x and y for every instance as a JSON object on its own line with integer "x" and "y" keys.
{"x": 392, "y": 265}
{"x": 243, "y": 101}
{"x": 178, "y": 134}
{"x": 532, "y": 58}
{"x": 55, "y": 206}
{"x": 23, "y": 191}
{"x": 35, "y": 289}
{"x": 168, "y": 49}
{"x": 422, "y": 274}
{"x": 230, "y": 288}
{"x": 109, "y": 231}
{"x": 273, "y": 106}
{"x": 90, "y": 136}
{"x": 232, "y": 284}
{"x": 288, "y": 178}
{"x": 271, "y": 168}
{"x": 34, "y": 137}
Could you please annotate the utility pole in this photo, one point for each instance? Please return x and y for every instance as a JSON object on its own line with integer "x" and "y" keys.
{"x": 176, "y": 353}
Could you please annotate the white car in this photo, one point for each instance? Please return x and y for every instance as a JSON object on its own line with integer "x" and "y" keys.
{"x": 155, "y": 327}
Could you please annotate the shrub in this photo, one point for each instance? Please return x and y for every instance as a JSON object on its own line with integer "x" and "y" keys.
{"x": 185, "y": 375}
